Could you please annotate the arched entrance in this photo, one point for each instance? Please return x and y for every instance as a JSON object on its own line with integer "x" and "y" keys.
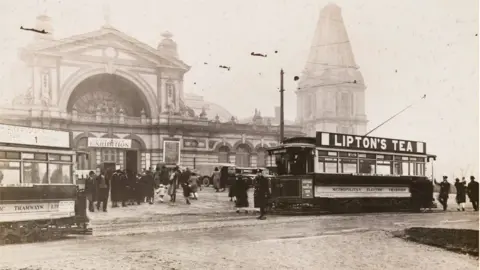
{"x": 108, "y": 94}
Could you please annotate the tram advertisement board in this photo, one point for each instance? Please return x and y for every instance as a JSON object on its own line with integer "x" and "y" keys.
{"x": 307, "y": 188}
{"x": 34, "y": 136}
{"x": 171, "y": 152}
{"x": 354, "y": 142}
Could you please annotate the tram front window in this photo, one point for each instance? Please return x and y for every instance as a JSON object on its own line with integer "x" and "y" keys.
{"x": 295, "y": 161}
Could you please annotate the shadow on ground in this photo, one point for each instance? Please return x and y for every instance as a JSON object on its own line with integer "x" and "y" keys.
{"x": 457, "y": 240}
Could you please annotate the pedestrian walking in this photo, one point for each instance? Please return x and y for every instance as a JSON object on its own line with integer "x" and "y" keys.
{"x": 444, "y": 192}
{"x": 194, "y": 183}
{"x": 261, "y": 194}
{"x": 91, "y": 190}
{"x": 241, "y": 193}
{"x": 172, "y": 190}
{"x": 149, "y": 183}
{"x": 164, "y": 182}
{"x": 461, "y": 188}
{"x": 472, "y": 190}
{"x": 123, "y": 191}
{"x": 216, "y": 179}
{"x": 223, "y": 178}
{"x": 186, "y": 191}
{"x": 103, "y": 188}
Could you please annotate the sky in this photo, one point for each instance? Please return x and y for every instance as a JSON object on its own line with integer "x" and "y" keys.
{"x": 431, "y": 44}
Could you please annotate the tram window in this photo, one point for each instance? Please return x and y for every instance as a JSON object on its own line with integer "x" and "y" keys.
{"x": 348, "y": 154}
{"x": 2, "y": 154}
{"x": 348, "y": 165}
{"x": 9, "y": 173}
{"x": 28, "y": 156}
{"x": 35, "y": 173}
{"x": 384, "y": 167}
{"x": 13, "y": 155}
{"x": 366, "y": 166}
{"x": 53, "y": 157}
{"x": 41, "y": 156}
{"x": 332, "y": 154}
{"x": 322, "y": 153}
{"x": 419, "y": 169}
{"x": 385, "y": 157}
{"x": 331, "y": 165}
{"x": 397, "y": 168}
{"x": 60, "y": 173}
{"x": 405, "y": 169}
{"x": 65, "y": 158}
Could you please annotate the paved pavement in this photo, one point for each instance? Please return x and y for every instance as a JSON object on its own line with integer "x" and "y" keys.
{"x": 355, "y": 241}
{"x": 210, "y": 203}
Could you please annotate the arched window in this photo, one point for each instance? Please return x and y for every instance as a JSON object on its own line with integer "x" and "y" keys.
{"x": 242, "y": 158}
{"x": 223, "y": 154}
{"x": 261, "y": 157}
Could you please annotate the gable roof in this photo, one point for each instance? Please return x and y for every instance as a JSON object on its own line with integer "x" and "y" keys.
{"x": 76, "y": 40}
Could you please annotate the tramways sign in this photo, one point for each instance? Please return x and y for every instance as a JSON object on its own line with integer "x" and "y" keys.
{"x": 34, "y": 136}
{"x": 346, "y": 141}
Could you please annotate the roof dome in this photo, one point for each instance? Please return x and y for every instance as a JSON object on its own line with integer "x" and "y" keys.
{"x": 198, "y": 104}
{"x": 167, "y": 45}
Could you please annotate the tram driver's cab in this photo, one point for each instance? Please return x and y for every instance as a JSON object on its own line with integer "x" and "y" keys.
{"x": 295, "y": 159}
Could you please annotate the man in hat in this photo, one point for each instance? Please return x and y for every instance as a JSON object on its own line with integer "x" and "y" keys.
{"x": 461, "y": 187}
{"x": 444, "y": 192}
{"x": 261, "y": 194}
{"x": 472, "y": 190}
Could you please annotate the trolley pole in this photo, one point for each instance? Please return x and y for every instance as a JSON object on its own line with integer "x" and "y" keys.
{"x": 395, "y": 115}
{"x": 282, "y": 124}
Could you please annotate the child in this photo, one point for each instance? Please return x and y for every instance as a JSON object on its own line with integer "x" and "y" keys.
{"x": 186, "y": 191}
{"x": 194, "y": 186}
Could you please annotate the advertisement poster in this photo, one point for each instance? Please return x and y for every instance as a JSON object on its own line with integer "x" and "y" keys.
{"x": 171, "y": 152}
{"x": 307, "y": 188}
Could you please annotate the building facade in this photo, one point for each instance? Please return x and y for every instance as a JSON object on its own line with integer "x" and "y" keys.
{"x": 331, "y": 90}
{"x": 125, "y": 104}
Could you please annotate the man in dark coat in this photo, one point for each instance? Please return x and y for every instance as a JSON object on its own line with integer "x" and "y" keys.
{"x": 223, "y": 178}
{"x": 91, "y": 190}
{"x": 123, "y": 188}
{"x": 261, "y": 194}
{"x": 149, "y": 185}
{"x": 116, "y": 188}
{"x": 241, "y": 193}
{"x": 444, "y": 192}
{"x": 461, "y": 188}
{"x": 103, "y": 187}
{"x": 473, "y": 192}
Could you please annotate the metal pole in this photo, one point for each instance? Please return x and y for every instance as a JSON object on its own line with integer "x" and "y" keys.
{"x": 282, "y": 135}
{"x": 395, "y": 115}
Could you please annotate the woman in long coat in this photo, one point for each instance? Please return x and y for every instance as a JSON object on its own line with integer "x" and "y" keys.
{"x": 172, "y": 189}
{"x": 241, "y": 193}
{"x": 216, "y": 179}
{"x": 461, "y": 188}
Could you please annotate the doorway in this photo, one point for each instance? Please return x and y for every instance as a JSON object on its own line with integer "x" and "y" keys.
{"x": 131, "y": 162}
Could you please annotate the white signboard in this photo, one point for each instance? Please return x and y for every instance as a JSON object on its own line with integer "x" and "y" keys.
{"x": 361, "y": 192}
{"x": 109, "y": 143}
{"x": 147, "y": 160}
{"x": 25, "y": 211}
{"x": 34, "y": 136}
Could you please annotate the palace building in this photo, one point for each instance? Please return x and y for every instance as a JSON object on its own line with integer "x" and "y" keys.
{"x": 125, "y": 104}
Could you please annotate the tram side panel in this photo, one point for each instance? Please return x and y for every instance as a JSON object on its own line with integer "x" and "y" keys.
{"x": 336, "y": 191}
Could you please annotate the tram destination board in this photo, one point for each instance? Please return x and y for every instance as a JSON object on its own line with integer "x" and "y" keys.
{"x": 354, "y": 142}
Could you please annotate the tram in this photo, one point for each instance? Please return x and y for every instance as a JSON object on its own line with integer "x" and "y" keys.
{"x": 336, "y": 172}
{"x": 39, "y": 197}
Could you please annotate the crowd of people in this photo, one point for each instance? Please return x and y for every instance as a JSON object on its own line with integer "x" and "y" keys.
{"x": 462, "y": 189}
{"x": 125, "y": 189}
